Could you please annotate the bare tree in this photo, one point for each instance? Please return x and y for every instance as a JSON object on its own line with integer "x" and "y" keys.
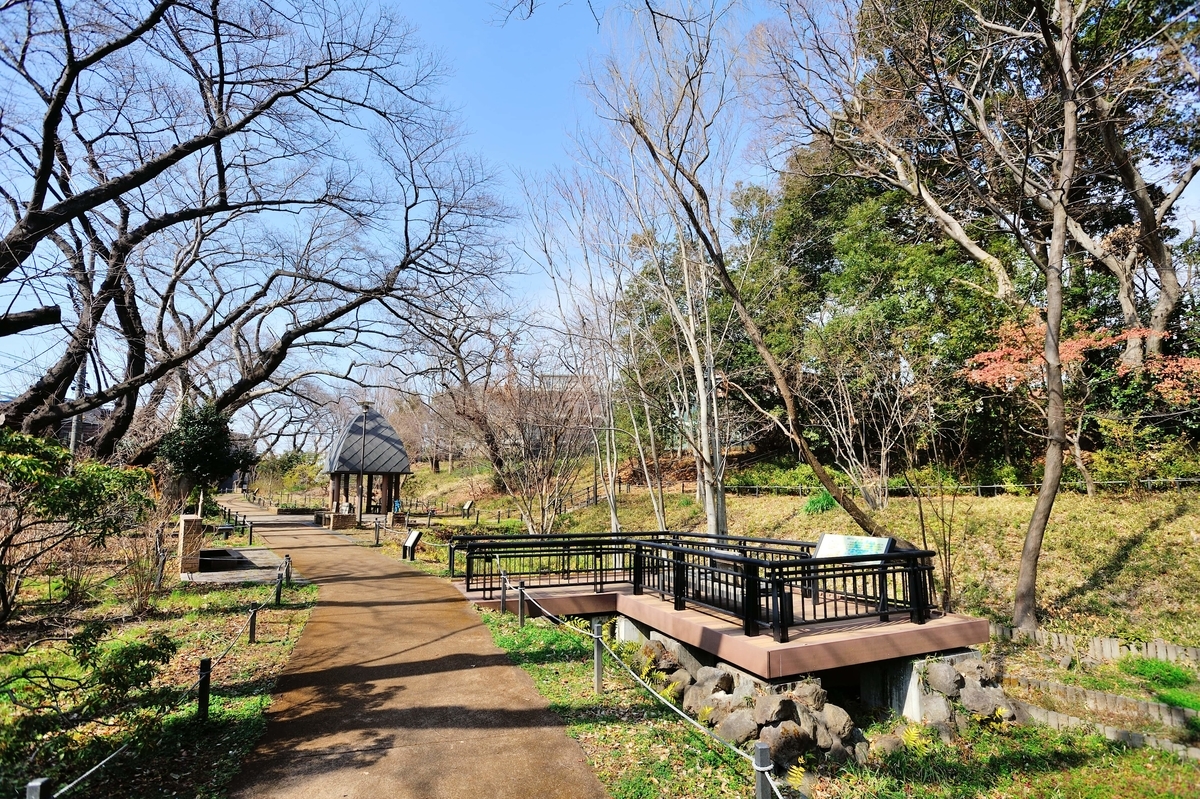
{"x": 871, "y": 395}
{"x": 229, "y": 195}
{"x": 544, "y": 421}
{"x": 676, "y": 108}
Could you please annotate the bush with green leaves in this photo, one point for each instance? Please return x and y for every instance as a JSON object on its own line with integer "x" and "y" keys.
{"x": 200, "y": 448}
{"x": 47, "y": 499}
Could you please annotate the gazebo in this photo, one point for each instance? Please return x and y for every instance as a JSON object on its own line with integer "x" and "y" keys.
{"x": 371, "y": 450}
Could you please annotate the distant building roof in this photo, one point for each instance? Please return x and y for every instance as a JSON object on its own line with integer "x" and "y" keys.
{"x": 382, "y": 450}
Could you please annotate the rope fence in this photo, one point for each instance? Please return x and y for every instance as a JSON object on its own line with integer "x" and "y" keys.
{"x": 42, "y": 788}
{"x": 762, "y": 764}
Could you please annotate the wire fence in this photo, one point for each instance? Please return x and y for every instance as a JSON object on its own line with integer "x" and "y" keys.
{"x": 762, "y": 771}
{"x": 41, "y": 788}
{"x": 588, "y": 497}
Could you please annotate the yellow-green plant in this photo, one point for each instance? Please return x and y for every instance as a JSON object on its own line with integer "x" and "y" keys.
{"x": 914, "y": 739}
{"x": 795, "y": 777}
{"x": 993, "y": 719}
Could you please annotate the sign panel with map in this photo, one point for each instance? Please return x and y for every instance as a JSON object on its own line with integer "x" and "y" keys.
{"x": 831, "y": 545}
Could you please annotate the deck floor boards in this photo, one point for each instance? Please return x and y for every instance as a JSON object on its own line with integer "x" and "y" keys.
{"x": 816, "y": 646}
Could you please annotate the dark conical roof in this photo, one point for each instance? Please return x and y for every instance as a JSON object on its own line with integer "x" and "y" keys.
{"x": 383, "y": 451}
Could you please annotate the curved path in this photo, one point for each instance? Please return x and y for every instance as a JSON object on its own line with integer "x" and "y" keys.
{"x": 395, "y": 689}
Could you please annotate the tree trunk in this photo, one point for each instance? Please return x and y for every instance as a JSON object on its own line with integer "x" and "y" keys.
{"x": 1059, "y": 45}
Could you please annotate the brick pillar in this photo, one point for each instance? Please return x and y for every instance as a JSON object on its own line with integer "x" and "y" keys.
{"x": 191, "y": 536}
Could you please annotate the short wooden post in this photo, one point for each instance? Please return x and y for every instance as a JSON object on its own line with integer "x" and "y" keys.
{"x": 278, "y": 588}
{"x": 41, "y": 788}
{"x": 254, "y": 625}
{"x": 202, "y": 688}
{"x": 250, "y": 528}
{"x": 287, "y": 569}
{"x": 598, "y": 655}
{"x": 762, "y": 775}
{"x": 521, "y": 603}
{"x": 376, "y": 532}
{"x": 504, "y": 596}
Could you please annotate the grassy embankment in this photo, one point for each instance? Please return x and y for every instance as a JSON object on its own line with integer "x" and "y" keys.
{"x": 640, "y": 750}
{"x": 170, "y": 752}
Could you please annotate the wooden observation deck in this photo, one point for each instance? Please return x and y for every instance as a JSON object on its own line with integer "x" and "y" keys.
{"x": 721, "y": 594}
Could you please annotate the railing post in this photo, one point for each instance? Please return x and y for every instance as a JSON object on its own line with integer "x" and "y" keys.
{"x": 253, "y": 625}
{"x": 638, "y": 568}
{"x": 598, "y": 559}
{"x": 202, "y": 688}
{"x": 779, "y": 616}
{"x": 503, "y": 596}
{"x": 451, "y": 556}
{"x": 916, "y": 592}
{"x": 376, "y": 532}
{"x": 750, "y": 598}
{"x": 470, "y": 570}
{"x": 278, "y": 588}
{"x": 883, "y": 592}
{"x": 598, "y": 655}
{"x": 250, "y": 529}
{"x": 41, "y": 788}
{"x": 679, "y": 584}
{"x": 287, "y": 570}
{"x": 521, "y": 603}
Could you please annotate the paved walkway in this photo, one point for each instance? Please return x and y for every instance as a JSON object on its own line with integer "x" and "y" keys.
{"x": 395, "y": 689}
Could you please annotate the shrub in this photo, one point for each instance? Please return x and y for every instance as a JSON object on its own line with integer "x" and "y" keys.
{"x": 820, "y": 503}
{"x": 775, "y": 474}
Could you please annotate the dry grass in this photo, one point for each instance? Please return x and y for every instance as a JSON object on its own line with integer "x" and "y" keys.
{"x": 1120, "y": 566}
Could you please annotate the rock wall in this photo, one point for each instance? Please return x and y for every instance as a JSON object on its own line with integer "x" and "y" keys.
{"x": 792, "y": 720}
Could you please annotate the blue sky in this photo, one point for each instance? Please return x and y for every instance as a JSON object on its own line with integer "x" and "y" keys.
{"x": 515, "y": 83}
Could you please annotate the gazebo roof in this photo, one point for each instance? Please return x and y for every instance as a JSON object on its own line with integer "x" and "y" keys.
{"x": 381, "y": 450}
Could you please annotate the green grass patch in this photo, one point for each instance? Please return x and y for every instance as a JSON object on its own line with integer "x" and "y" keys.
{"x": 1179, "y": 698}
{"x": 1158, "y": 674}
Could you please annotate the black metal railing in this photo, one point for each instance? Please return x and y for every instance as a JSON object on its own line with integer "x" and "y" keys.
{"x": 765, "y": 583}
